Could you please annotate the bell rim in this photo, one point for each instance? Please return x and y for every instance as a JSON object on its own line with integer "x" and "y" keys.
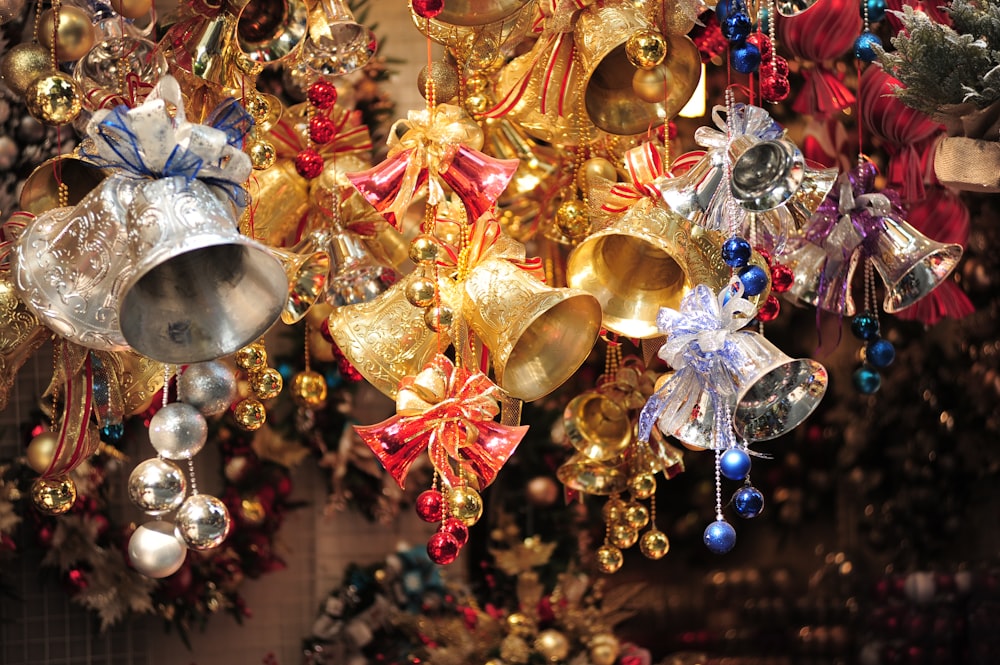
{"x": 952, "y": 256}
{"x": 817, "y": 374}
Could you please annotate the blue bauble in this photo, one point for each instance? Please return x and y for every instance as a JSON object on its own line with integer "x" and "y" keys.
{"x": 864, "y": 46}
{"x": 737, "y": 27}
{"x": 880, "y": 353}
{"x": 722, "y": 11}
{"x": 113, "y": 433}
{"x": 865, "y": 326}
{"x": 736, "y": 252}
{"x": 754, "y": 280}
{"x": 719, "y": 536}
{"x": 867, "y": 380}
{"x": 876, "y": 10}
{"x": 744, "y": 58}
{"x": 748, "y": 502}
{"x": 735, "y": 464}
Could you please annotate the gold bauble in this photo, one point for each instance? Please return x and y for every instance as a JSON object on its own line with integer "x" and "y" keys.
{"x": 520, "y": 624}
{"x": 654, "y": 544}
{"x": 53, "y": 496}
{"x": 476, "y": 84}
{"x": 266, "y": 383}
{"x": 595, "y": 167}
{"x": 74, "y": 37}
{"x": 258, "y": 106}
{"x": 623, "y": 536}
{"x": 22, "y": 65}
{"x": 132, "y": 8}
{"x": 477, "y": 104}
{"x": 424, "y": 249}
{"x": 636, "y": 515}
{"x": 439, "y": 319}
{"x": 445, "y": 79}
{"x": 553, "y": 645}
{"x": 262, "y": 155}
{"x": 250, "y": 414}
{"x": 651, "y": 85}
{"x": 572, "y": 219}
{"x": 614, "y": 510}
{"x": 514, "y": 650}
{"x": 41, "y": 451}
{"x": 609, "y": 559}
{"x": 642, "y": 485}
{"x": 309, "y": 389}
{"x": 53, "y": 99}
{"x": 645, "y": 49}
{"x": 252, "y": 357}
{"x": 465, "y": 505}
{"x": 420, "y": 292}
{"x": 604, "y": 648}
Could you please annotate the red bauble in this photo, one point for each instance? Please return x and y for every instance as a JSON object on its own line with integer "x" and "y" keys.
{"x": 763, "y": 44}
{"x": 774, "y": 89}
{"x": 457, "y": 528}
{"x": 764, "y": 254}
{"x": 778, "y": 66}
{"x": 782, "y": 278}
{"x": 428, "y": 8}
{"x": 769, "y": 309}
{"x": 443, "y": 548}
{"x": 322, "y": 94}
{"x": 309, "y": 163}
{"x": 430, "y": 505}
{"x": 322, "y": 129}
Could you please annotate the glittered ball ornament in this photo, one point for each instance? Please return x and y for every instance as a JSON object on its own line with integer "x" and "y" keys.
{"x": 427, "y": 8}
{"x": 252, "y": 357}
{"x": 552, "y": 645}
{"x": 754, "y": 280}
{"x": 155, "y": 550}
{"x": 642, "y": 485}
{"x": 572, "y": 219}
{"x": 654, "y": 544}
{"x": 443, "y": 548}
{"x": 250, "y": 414}
{"x": 735, "y": 464}
{"x": 209, "y": 387}
{"x": 41, "y": 451}
{"x": 53, "y": 496}
{"x": 736, "y": 252}
{"x": 880, "y": 353}
{"x": 266, "y": 383}
{"x": 466, "y": 505}
{"x": 430, "y": 505}
{"x": 736, "y": 27}
{"x": 744, "y": 58}
{"x": 309, "y": 389}
{"x": 53, "y": 99}
{"x": 74, "y": 36}
{"x": 322, "y": 94}
{"x": 456, "y": 528}
{"x": 719, "y": 537}
{"x": 866, "y": 45}
{"x": 23, "y": 64}
{"x": 775, "y": 88}
{"x": 866, "y": 380}
{"x": 646, "y": 48}
{"x": 322, "y": 129}
{"x": 157, "y": 486}
{"x": 763, "y": 44}
{"x": 203, "y": 521}
{"x": 748, "y": 502}
{"x": 445, "y": 78}
{"x": 178, "y": 431}
{"x": 309, "y": 163}
{"x": 609, "y": 559}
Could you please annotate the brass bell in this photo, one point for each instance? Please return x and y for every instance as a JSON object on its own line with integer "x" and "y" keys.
{"x": 307, "y": 266}
{"x": 589, "y": 476}
{"x": 272, "y": 30}
{"x": 476, "y": 30}
{"x": 280, "y": 201}
{"x": 356, "y": 276}
{"x": 472, "y": 13}
{"x": 538, "y": 335}
{"x": 337, "y": 44}
{"x": 41, "y": 189}
{"x": 386, "y": 338}
{"x": 199, "y": 289}
{"x": 611, "y": 102}
{"x": 597, "y": 426}
{"x": 910, "y": 264}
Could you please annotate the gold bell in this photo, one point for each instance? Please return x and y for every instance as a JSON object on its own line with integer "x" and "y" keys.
{"x": 307, "y": 266}
{"x": 601, "y": 34}
{"x": 41, "y": 190}
{"x": 589, "y": 476}
{"x": 476, "y": 30}
{"x": 597, "y": 426}
{"x": 538, "y": 335}
{"x": 209, "y": 51}
{"x": 280, "y": 201}
{"x": 386, "y": 338}
{"x": 22, "y": 335}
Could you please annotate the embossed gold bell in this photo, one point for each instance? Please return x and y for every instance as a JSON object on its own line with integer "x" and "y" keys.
{"x": 356, "y": 276}
{"x": 337, "y": 44}
{"x": 280, "y": 201}
{"x": 20, "y": 336}
{"x": 589, "y": 476}
{"x": 41, "y": 190}
{"x": 611, "y": 102}
{"x": 538, "y": 336}
{"x": 307, "y": 266}
{"x": 200, "y": 290}
{"x": 386, "y": 338}
{"x": 911, "y": 264}
{"x": 272, "y": 30}
{"x": 478, "y": 12}
{"x": 597, "y": 426}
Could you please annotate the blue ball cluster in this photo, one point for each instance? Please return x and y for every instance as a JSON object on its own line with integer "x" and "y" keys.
{"x": 879, "y": 353}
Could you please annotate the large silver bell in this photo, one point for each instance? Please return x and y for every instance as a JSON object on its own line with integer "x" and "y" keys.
{"x": 911, "y": 264}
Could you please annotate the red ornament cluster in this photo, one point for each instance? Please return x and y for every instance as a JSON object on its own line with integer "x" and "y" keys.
{"x": 782, "y": 279}
{"x": 322, "y": 95}
{"x": 452, "y": 534}
{"x": 774, "y": 86}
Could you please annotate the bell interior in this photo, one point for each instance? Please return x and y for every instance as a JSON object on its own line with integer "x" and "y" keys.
{"x": 920, "y": 279}
{"x": 610, "y": 100}
{"x": 761, "y": 168}
{"x": 780, "y": 399}
{"x": 262, "y": 20}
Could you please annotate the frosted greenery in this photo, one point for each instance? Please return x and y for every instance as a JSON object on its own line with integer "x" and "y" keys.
{"x": 942, "y": 65}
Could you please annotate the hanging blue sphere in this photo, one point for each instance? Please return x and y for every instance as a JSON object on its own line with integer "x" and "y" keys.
{"x": 748, "y": 502}
{"x": 735, "y": 464}
{"x": 737, "y": 27}
{"x": 865, "y": 326}
{"x": 744, "y": 58}
{"x": 754, "y": 280}
{"x": 876, "y": 10}
{"x": 719, "y": 536}
{"x": 722, "y": 11}
{"x": 736, "y": 252}
{"x": 880, "y": 353}
{"x": 864, "y": 46}
{"x": 867, "y": 380}
{"x": 113, "y": 433}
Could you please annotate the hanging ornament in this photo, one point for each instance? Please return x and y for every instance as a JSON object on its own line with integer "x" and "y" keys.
{"x": 53, "y": 496}
{"x": 203, "y": 521}
{"x": 155, "y": 550}
{"x": 178, "y": 431}
{"x": 209, "y": 387}
{"x": 748, "y": 502}
{"x": 157, "y": 486}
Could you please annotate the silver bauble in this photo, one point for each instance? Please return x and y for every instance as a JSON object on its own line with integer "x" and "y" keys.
{"x": 155, "y": 550}
{"x": 178, "y": 431}
{"x": 209, "y": 387}
{"x": 203, "y": 522}
{"x": 157, "y": 486}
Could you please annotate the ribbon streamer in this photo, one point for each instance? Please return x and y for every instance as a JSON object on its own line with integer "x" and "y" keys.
{"x": 77, "y": 439}
{"x": 449, "y": 412}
